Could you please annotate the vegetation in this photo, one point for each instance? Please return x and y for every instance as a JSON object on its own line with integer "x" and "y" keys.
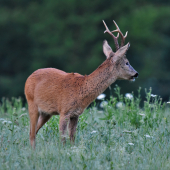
{"x": 68, "y": 35}
{"x": 117, "y": 136}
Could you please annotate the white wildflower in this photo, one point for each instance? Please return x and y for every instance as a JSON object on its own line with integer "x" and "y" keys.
{"x": 101, "y": 96}
{"x": 1, "y": 119}
{"x": 93, "y": 132}
{"x": 24, "y": 114}
{"x": 153, "y": 95}
{"x": 129, "y": 96}
{"x": 77, "y": 149}
{"x": 68, "y": 153}
{"x": 130, "y": 144}
{"x": 16, "y": 127}
{"x": 141, "y": 114}
{"x": 74, "y": 147}
{"x": 119, "y": 104}
{"x": 126, "y": 131}
{"x": 148, "y": 136}
{"x": 23, "y": 109}
{"x": 5, "y": 121}
{"x": 103, "y": 104}
{"x": 168, "y": 102}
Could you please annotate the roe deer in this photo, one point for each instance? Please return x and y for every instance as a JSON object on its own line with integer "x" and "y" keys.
{"x": 50, "y": 91}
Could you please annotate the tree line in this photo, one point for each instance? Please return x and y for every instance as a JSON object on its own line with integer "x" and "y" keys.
{"x": 68, "y": 35}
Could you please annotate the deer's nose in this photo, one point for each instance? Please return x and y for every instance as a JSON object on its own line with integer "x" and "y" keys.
{"x": 136, "y": 75}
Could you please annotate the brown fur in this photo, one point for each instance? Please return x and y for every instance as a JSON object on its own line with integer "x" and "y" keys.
{"x": 51, "y": 91}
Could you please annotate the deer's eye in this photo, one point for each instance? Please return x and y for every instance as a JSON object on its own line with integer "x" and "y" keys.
{"x": 127, "y": 63}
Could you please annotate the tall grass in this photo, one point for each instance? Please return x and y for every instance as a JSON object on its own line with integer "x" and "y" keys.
{"x": 121, "y": 135}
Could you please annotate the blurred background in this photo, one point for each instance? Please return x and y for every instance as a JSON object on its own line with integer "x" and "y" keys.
{"x": 68, "y": 35}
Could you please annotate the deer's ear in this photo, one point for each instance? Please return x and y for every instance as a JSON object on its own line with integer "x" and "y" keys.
{"x": 107, "y": 49}
{"x": 122, "y": 51}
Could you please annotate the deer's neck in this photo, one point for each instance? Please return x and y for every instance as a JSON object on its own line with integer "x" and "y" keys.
{"x": 99, "y": 80}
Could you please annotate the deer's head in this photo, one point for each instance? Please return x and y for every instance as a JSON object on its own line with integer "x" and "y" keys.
{"x": 124, "y": 69}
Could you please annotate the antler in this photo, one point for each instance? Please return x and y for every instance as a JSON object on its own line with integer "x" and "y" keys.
{"x": 122, "y": 36}
{"x": 116, "y": 38}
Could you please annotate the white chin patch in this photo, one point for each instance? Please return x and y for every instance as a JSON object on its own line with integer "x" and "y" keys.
{"x": 132, "y": 79}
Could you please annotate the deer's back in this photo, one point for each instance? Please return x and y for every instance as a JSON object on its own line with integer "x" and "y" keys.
{"x": 52, "y": 89}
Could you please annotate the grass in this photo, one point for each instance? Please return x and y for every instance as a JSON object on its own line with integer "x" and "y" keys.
{"x": 117, "y": 137}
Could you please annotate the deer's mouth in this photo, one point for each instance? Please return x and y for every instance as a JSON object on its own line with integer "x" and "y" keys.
{"x": 132, "y": 78}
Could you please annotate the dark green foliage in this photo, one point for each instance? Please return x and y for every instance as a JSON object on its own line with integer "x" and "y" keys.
{"x": 68, "y": 35}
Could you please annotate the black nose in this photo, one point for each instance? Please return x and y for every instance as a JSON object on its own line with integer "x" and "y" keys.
{"x": 136, "y": 75}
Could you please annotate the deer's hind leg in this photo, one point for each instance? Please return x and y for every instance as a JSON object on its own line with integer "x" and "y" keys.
{"x": 34, "y": 115}
{"x": 43, "y": 118}
{"x": 72, "y": 127}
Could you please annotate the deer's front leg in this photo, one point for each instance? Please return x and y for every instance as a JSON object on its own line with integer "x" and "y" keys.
{"x": 72, "y": 127}
{"x": 63, "y": 127}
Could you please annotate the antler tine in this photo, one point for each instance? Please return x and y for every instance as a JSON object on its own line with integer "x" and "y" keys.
{"x": 121, "y": 34}
{"x": 115, "y": 38}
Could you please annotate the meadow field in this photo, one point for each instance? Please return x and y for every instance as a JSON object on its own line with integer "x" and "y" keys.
{"x": 124, "y": 133}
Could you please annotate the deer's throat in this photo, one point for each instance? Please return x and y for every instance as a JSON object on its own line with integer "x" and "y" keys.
{"x": 98, "y": 81}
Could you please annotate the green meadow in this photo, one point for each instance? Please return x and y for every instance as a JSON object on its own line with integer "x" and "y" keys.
{"x": 124, "y": 133}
